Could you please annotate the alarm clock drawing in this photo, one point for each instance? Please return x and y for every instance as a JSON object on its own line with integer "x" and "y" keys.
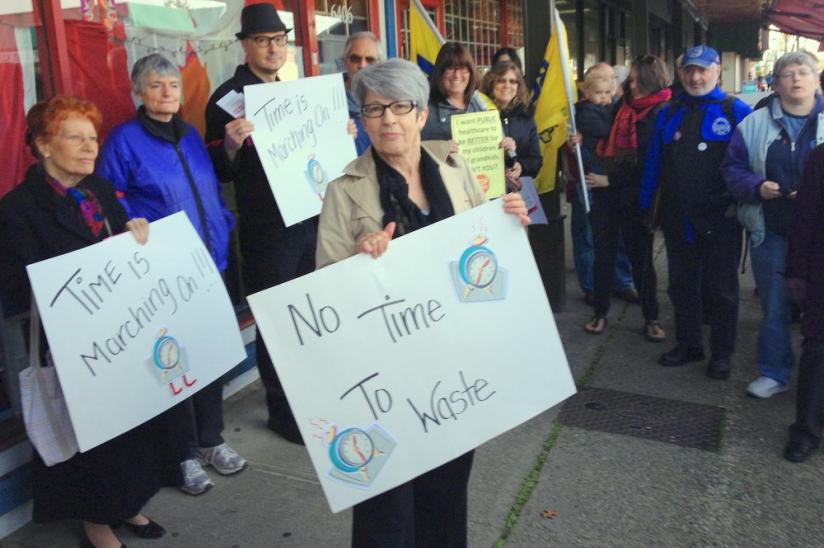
{"x": 168, "y": 361}
{"x": 358, "y": 454}
{"x": 316, "y": 176}
{"x": 477, "y": 275}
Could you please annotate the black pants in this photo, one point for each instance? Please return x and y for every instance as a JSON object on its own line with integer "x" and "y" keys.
{"x": 612, "y": 220}
{"x": 273, "y": 255}
{"x": 199, "y": 418}
{"x": 703, "y": 277}
{"x": 809, "y": 420}
{"x": 428, "y": 511}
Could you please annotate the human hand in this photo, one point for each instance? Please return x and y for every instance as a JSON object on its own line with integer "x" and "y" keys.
{"x": 352, "y": 129}
{"x": 595, "y": 180}
{"x": 236, "y": 132}
{"x": 376, "y": 243}
{"x": 513, "y": 176}
{"x": 798, "y": 289}
{"x": 453, "y": 147}
{"x": 140, "y": 229}
{"x": 769, "y": 190}
{"x": 508, "y": 143}
{"x": 574, "y": 139}
{"x": 515, "y": 205}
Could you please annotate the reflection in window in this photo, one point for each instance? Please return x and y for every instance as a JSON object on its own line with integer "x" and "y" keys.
{"x": 474, "y": 24}
{"x": 335, "y": 20}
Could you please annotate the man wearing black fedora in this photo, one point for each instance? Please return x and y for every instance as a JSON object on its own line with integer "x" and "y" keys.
{"x": 272, "y": 252}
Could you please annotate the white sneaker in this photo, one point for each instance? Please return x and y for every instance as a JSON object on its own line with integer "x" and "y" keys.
{"x": 195, "y": 480}
{"x": 225, "y": 459}
{"x": 765, "y": 387}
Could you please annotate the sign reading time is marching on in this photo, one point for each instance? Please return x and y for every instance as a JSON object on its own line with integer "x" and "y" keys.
{"x": 135, "y": 329}
{"x": 301, "y": 139}
{"x": 397, "y": 365}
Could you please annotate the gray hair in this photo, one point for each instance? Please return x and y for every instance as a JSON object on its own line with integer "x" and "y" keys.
{"x": 153, "y": 63}
{"x": 800, "y": 57}
{"x": 395, "y": 79}
{"x": 363, "y": 35}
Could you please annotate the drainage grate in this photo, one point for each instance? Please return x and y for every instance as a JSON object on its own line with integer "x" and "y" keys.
{"x": 671, "y": 421}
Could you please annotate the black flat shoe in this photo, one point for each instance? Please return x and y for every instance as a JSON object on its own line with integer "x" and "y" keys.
{"x": 797, "y": 451}
{"x": 147, "y": 530}
{"x": 681, "y": 355}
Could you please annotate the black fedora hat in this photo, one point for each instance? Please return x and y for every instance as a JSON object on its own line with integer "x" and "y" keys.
{"x": 260, "y": 18}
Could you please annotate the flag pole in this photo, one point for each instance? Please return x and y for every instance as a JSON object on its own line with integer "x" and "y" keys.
{"x": 562, "y": 48}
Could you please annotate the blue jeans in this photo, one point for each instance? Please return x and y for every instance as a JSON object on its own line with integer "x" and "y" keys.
{"x": 775, "y": 354}
{"x": 583, "y": 252}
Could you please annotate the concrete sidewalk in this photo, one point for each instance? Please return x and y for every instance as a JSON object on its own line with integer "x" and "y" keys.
{"x": 599, "y": 489}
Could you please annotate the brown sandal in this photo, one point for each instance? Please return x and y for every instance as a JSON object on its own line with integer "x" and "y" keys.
{"x": 653, "y": 332}
{"x": 596, "y": 325}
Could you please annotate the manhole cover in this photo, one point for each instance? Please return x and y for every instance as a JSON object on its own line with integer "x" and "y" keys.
{"x": 671, "y": 421}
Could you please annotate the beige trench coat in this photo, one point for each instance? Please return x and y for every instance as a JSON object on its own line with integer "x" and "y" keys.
{"x": 352, "y": 204}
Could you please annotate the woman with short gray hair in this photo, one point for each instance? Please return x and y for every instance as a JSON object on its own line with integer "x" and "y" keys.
{"x": 763, "y": 166}
{"x": 397, "y": 186}
{"x": 159, "y": 166}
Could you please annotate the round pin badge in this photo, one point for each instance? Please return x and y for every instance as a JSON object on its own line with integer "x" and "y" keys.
{"x": 702, "y": 146}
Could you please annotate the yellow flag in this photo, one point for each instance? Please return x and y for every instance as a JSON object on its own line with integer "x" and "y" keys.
{"x": 552, "y": 97}
{"x": 425, "y": 40}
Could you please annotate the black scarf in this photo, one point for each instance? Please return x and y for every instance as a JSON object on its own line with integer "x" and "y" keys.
{"x": 171, "y": 131}
{"x": 394, "y": 194}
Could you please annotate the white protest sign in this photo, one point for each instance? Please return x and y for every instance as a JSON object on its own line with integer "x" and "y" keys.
{"x": 397, "y": 365}
{"x": 301, "y": 139}
{"x": 134, "y": 330}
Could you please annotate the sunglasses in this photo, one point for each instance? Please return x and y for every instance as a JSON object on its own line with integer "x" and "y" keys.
{"x": 357, "y": 59}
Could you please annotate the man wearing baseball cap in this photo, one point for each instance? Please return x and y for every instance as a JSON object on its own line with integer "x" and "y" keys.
{"x": 684, "y": 191}
{"x": 273, "y": 253}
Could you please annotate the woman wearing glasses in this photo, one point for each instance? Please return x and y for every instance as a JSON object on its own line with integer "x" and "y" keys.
{"x": 762, "y": 169}
{"x": 397, "y": 186}
{"x": 454, "y": 84}
{"x": 505, "y": 85}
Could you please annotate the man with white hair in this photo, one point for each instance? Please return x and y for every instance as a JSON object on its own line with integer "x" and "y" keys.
{"x": 696, "y": 211}
{"x": 361, "y": 50}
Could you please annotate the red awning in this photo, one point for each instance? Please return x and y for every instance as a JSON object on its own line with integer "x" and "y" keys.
{"x": 802, "y": 17}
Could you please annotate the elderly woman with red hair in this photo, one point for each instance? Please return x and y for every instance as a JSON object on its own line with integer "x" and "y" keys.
{"x": 61, "y": 207}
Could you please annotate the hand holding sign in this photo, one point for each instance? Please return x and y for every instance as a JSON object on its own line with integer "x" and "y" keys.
{"x": 375, "y": 243}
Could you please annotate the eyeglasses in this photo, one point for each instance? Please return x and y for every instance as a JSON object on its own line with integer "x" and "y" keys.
{"x": 458, "y": 68}
{"x": 75, "y": 139}
{"x": 358, "y": 59}
{"x": 790, "y": 75}
{"x": 398, "y": 108}
{"x": 511, "y": 81}
{"x": 262, "y": 41}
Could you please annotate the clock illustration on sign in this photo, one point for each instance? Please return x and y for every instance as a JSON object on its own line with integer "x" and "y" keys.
{"x": 316, "y": 176}
{"x": 168, "y": 362}
{"x": 357, "y": 454}
{"x": 477, "y": 275}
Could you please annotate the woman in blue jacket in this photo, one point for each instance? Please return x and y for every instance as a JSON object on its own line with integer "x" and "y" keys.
{"x": 158, "y": 165}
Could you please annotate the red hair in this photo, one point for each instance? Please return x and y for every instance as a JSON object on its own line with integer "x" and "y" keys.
{"x": 45, "y": 117}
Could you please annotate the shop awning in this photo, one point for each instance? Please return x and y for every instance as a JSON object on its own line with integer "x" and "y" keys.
{"x": 801, "y": 17}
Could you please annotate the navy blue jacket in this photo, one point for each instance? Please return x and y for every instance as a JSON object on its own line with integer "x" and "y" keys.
{"x": 684, "y": 159}
{"x": 519, "y": 124}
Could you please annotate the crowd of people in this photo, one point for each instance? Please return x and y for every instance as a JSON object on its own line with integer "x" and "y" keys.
{"x": 697, "y": 164}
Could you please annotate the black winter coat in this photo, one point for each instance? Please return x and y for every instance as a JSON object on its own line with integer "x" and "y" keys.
{"x": 520, "y": 125}
{"x": 37, "y": 224}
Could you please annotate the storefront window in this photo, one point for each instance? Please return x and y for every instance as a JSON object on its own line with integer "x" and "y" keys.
{"x": 475, "y": 24}
{"x": 592, "y": 38}
{"x": 335, "y": 20}
{"x": 21, "y": 88}
{"x": 515, "y": 23}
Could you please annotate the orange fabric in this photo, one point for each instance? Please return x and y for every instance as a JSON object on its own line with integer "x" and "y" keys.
{"x": 196, "y": 89}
